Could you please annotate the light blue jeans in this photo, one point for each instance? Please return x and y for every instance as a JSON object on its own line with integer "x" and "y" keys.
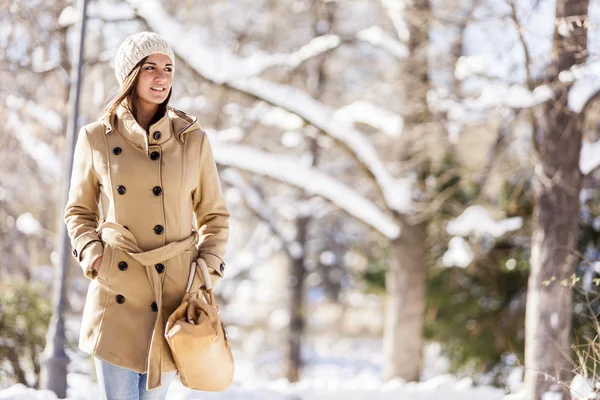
{"x": 117, "y": 383}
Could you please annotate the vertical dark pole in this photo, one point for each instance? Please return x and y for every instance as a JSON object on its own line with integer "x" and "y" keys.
{"x": 55, "y": 360}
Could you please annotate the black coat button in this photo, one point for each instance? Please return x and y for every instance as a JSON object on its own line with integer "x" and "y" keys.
{"x": 125, "y": 226}
{"x": 123, "y": 265}
{"x": 121, "y": 189}
{"x": 74, "y": 253}
{"x": 160, "y": 268}
{"x": 120, "y": 299}
{"x": 222, "y": 267}
{"x": 157, "y": 135}
{"x": 158, "y": 229}
{"x": 157, "y": 190}
{"x": 117, "y": 151}
{"x": 155, "y": 155}
{"x": 154, "y": 306}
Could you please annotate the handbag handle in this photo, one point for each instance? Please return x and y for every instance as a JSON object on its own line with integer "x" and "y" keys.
{"x": 206, "y": 278}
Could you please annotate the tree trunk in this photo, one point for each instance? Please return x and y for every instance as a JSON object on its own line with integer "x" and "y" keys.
{"x": 297, "y": 277}
{"x": 405, "y": 284}
{"x": 556, "y": 186}
{"x": 407, "y": 269}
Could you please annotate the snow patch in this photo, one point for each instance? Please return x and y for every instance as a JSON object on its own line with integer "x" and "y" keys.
{"x": 362, "y": 111}
{"x": 476, "y": 219}
{"x": 582, "y": 388}
{"x": 378, "y": 38}
{"x": 554, "y": 320}
{"x": 27, "y": 224}
{"x": 590, "y": 156}
{"x": 581, "y": 92}
{"x": 312, "y": 180}
{"x": 459, "y": 253}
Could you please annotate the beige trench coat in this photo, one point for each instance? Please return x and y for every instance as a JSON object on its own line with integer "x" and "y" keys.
{"x": 150, "y": 204}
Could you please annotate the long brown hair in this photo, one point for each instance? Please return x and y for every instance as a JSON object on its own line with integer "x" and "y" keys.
{"x": 127, "y": 95}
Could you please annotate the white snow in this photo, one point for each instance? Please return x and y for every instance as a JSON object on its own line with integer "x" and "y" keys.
{"x": 364, "y": 386}
{"x": 220, "y": 66}
{"x": 459, "y": 253}
{"x": 582, "y": 91}
{"x": 277, "y": 116}
{"x": 22, "y": 392}
{"x": 107, "y": 12}
{"x": 582, "y": 388}
{"x": 476, "y": 219}
{"x": 554, "y": 321}
{"x": 394, "y": 9}
{"x": 552, "y": 396}
{"x": 292, "y": 139}
{"x": 378, "y": 38}
{"x": 27, "y": 224}
{"x": 313, "y": 181}
{"x": 368, "y": 113}
{"x": 38, "y": 150}
{"x": 590, "y": 156}
{"x": 256, "y": 204}
{"x": 513, "y": 96}
{"x": 47, "y": 117}
{"x": 397, "y": 193}
{"x": 316, "y": 46}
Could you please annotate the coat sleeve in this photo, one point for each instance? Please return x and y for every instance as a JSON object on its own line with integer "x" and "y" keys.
{"x": 211, "y": 216}
{"x": 81, "y": 211}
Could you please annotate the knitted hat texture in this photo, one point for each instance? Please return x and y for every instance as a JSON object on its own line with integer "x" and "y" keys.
{"x": 135, "y": 48}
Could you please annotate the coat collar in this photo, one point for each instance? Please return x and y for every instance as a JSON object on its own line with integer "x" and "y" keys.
{"x": 173, "y": 123}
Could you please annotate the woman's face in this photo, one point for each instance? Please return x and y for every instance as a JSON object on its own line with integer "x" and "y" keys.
{"x": 155, "y": 79}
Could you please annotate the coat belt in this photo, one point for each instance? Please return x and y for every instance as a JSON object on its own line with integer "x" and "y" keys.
{"x": 117, "y": 236}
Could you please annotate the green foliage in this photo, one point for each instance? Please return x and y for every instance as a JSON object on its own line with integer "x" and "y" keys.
{"x": 24, "y": 316}
{"x": 374, "y": 276}
{"x": 478, "y": 313}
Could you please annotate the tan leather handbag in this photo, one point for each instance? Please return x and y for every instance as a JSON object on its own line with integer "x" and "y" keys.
{"x": 198, "y": 339}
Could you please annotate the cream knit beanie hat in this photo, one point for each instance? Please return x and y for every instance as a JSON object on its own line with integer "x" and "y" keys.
{"x": 135, "y": 48}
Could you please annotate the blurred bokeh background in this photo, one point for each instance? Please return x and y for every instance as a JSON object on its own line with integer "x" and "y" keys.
{"x": 379, "y": 159}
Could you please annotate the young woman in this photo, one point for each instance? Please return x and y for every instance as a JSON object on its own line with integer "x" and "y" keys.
{"x": 145, "y": 202}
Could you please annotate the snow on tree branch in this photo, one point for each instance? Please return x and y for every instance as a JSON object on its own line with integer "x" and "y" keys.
{"x": 368, "y": 113}
{"x": 309, "y": 179}
{"x": 378, "y": 38}
{"x": 220, "y": 66}
{"x": 256, "y": 204}
{"x": 590, "y": 156}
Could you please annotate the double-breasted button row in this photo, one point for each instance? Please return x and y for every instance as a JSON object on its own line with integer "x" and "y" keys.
{"x": 123, "y": 266}
{"x": 160, "y": 268}
{"x": 154, "y": 306}
{"x": 117, "y": 150}
{"x": 120, "y": 299}
{"x": 158, "y": 229}
{"x": 155, "y": 155}
{"x": 222, "y": 267}
{"x": 157, "y": 135}
{"x": 74, "y": 253}
{"x": 157, "y": 190}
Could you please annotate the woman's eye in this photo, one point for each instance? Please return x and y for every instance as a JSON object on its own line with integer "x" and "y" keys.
{"x": 149, "y": 68}
{"x": 169, "y": 69}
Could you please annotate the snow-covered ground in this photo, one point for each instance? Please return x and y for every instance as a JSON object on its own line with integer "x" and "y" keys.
{"x": 337, "y": 369}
